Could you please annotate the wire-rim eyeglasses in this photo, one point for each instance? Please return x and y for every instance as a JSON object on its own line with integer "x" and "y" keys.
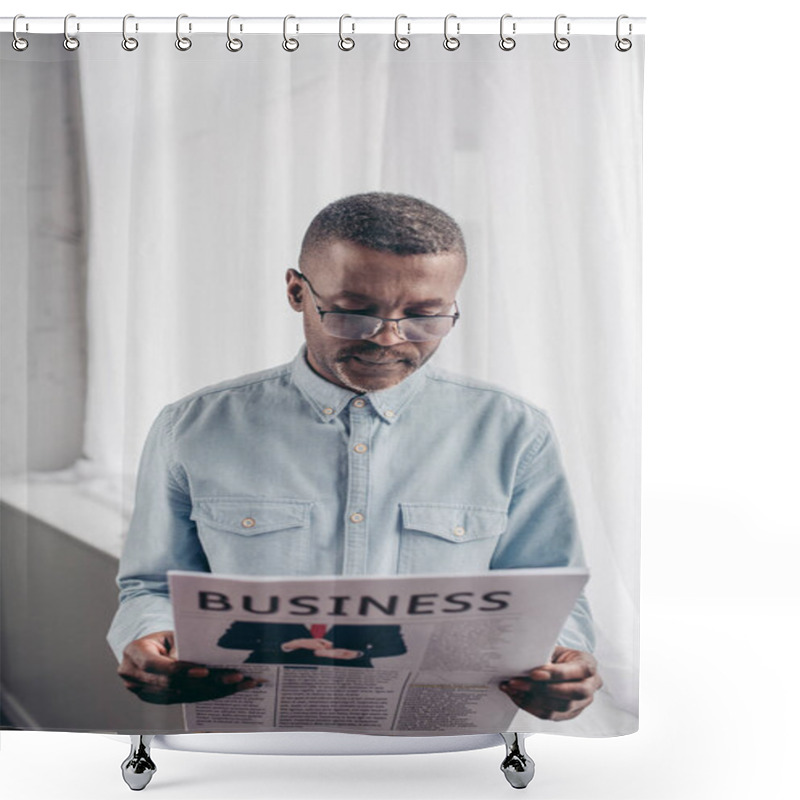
{"x": 358, "y": 325}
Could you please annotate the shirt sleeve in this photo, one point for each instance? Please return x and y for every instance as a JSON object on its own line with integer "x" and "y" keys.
{"x": 161, "y": 536}
{"x": 542, "y": 529}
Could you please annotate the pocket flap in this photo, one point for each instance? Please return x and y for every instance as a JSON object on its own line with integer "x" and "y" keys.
{"x": 454, "y": 523}
{"x": 248, "y": 517}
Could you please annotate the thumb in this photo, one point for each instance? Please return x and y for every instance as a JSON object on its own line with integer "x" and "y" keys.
{"x": 163, "y": 642}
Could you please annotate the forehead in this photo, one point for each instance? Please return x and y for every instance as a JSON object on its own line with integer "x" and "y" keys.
{"x": 346, "y": 268}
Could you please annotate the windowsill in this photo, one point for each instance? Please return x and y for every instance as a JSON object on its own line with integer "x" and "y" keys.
{"x": 63, "y": 506}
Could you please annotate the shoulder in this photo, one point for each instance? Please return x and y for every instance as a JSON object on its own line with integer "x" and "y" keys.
{"x": 238, "y": 390}
{"x": 483, "y": 394}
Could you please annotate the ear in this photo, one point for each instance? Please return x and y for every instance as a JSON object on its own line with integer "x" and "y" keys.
{"x": 294, "y": 289}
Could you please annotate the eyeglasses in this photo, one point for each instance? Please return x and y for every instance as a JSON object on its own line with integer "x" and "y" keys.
{"x": 357, "y": 325}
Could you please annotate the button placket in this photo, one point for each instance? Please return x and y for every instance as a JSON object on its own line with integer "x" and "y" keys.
{"x": 356, "y": 522}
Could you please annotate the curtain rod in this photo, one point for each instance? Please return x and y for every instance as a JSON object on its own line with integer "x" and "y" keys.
{"x": 310, "y": 25}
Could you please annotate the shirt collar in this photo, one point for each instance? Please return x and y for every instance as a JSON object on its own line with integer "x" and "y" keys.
{"x": 329, "y": 400}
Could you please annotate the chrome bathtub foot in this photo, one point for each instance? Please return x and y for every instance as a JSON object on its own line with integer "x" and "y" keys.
{"x": 517, "y": 766}
{"x": 138, "y": 768}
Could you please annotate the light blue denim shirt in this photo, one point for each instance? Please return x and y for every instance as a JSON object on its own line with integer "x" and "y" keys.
{"x": 284, "y": 473}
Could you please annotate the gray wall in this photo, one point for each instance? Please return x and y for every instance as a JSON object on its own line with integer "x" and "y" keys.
{"x": 42, "y": 265}
{"x": 57, "y": 595}
{"x": 57, "y": 598}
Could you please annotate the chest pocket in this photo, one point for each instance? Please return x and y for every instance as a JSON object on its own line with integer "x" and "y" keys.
{"x": 252, "y": 536}
{"x": 448, "y": 539}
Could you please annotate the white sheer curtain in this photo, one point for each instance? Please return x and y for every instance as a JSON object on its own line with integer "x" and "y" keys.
{"x": 204, "y": 168}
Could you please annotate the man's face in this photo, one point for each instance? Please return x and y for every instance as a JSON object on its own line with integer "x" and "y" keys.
{"x": 350, "y": 277}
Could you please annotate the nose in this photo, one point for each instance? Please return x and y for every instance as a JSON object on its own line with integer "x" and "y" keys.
{"x": 388, "y": 334}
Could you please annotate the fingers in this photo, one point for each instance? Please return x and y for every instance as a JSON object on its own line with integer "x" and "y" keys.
{"x": 151, "y": 655}
{"x": 192, "y": 693}
{"x": 558, "y": 690}
{"x": 182, "y": 689}
{"x": 548, "y": 703}
{"x": 155, "y": 670}
{"x": 178, "y": 678}
{"x": 575, "y": 690}
{"x": 197, "y": 672}
{"x": 566, "y": 690}
{"x": 545, "y": 706}
{"x": 567, "y": 665}
{"x": 545, "y": 710}
{"x": 153, "y": 675}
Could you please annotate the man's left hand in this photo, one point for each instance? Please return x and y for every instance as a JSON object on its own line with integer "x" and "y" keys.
{"x": 558, "y": 690}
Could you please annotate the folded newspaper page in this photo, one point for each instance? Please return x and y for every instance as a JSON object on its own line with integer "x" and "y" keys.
{"x": 399, "y": 655}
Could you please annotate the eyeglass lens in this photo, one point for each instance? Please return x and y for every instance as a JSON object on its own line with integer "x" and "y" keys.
{"x": 415, "y": 329}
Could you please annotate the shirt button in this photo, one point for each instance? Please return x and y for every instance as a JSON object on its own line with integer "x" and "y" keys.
{"x": 359, "y": 403}
{"x": 327, "y": 411}
{"x": 360, "y": 448}
{"x": 459, "y": 531}
{"x": 388, "y": 414}
{"x": 248, "y": 522}
{"x": 356, "y": 517}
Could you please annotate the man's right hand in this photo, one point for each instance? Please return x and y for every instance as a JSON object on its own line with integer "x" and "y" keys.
{"x": 150, "y": 672}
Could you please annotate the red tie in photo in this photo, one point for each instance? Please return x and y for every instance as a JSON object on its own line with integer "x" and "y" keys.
{"x": 318, "y": 631}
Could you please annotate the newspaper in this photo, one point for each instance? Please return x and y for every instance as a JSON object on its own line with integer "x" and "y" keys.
{"x": 405, "y": 655}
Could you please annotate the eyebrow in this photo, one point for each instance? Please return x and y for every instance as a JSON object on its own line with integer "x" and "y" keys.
{"x": 352, "y": 296}
{"x": 425, "y": 303}
{"x": 357, "y": 296}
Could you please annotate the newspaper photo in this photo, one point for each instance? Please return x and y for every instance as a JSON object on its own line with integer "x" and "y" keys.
{"x": 412, "y": 655}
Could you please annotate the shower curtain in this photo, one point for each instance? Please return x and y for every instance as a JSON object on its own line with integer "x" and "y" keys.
{"x": 153, "y": 199}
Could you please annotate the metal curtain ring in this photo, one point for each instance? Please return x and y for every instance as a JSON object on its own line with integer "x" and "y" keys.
{"x": 507, "y": 42}
{"x": 345, "y": 42}
{"x": 401, "y": 42}
{"x": 70, "y": 42}
{"x": 234, "y": 45}
{"x": 451, "y": 42}
{"x": 289, "y": 44}
{"x": 561, "y": 43}
{"x": 128, "y": 42}
{"x": 623, "y": 45}
{"x": 183, "y": 43}
{"x": 18, "y": 43}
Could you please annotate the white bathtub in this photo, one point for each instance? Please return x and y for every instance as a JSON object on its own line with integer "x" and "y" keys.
{"x": 319, "y": 743}
{"x": 139, "y": 767}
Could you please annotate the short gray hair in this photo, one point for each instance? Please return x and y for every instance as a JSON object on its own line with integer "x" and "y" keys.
{"x": 390, "y": 223}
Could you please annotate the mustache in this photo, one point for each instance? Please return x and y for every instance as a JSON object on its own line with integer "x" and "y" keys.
{"x": 375, "y": 352}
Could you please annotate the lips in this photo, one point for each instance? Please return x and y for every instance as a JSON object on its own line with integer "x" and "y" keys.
{"x": 383, "y": 363}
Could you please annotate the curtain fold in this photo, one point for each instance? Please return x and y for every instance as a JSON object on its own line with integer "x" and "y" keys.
{"x": 191, "y": 176}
